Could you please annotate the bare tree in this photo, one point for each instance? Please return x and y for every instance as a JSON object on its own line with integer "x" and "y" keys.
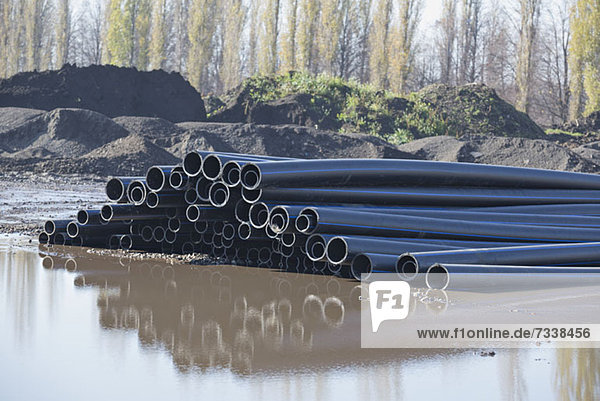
{"x": 529, "y": 15}
{"x": 470, "y": 31}
{"x": 446, "y": 41}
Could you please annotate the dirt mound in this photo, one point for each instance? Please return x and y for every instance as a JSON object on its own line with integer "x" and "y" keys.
{"x": 477, "y": 109}
{"x": 521, "y": 152}
{"x": 109, "y": 90}
{"x": 584, "y": 125}
{"x": 60, "y": 132}
{"x": 282, "y": 140}
{"x": 159, "y": 131}
{"x": 11, "y": 117}
{"x": 132, "y": 154}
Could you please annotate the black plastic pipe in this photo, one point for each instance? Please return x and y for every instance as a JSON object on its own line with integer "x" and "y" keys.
{"x": 382, "y": 172}
{"x": 89, "y": 216}
{"x": 434, "y": 196}
{"x": 259, "y": 215}
{"x": 137, "y": 192}
{"x": 178, "y": 179}
{"x": 514, "y": 278}
{"x": 158, "y": 233}
{"x": 368, "y": 263}
{"x": 196, "y": 213}
{"x": 242, "y": 211}
{"x": 157, "y": 178}
{"x": 116, "y": 188}
{"x": 54, "y": 226}
{"x": 341, "y": 250}
{"x": 130, "y": 212}
{"x": 193, "y": 161}
{"x": 409, "y": 264}
{"x": 157, "y": 200}
{"x": 191, "y": 196}
{"x": 218, "y": 194}
{"x": 316, "y": 246}
{"x": 373, "y": 224}
{"x": 75, "y": 229}
{"x": 282, "y": 218}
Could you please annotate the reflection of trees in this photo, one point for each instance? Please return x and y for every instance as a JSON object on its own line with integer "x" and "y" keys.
{"x": 578, "y": 374}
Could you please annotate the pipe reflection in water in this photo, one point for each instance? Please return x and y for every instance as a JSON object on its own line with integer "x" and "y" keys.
{"x": 220, "y": 316}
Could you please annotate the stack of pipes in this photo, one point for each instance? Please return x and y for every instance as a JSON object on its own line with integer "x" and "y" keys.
{"x": 349, "y": 215}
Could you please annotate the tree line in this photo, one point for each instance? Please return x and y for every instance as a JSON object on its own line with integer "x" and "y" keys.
{"x": 542, "y": 55}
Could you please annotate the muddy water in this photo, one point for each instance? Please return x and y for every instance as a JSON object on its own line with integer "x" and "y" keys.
{"x": 78, "y": 326}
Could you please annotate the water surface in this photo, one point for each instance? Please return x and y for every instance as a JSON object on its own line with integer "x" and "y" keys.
{"x": 74, "y": 325}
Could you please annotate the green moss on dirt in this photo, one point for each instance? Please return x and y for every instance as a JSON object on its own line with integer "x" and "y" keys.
{"x": 348, "y": 106}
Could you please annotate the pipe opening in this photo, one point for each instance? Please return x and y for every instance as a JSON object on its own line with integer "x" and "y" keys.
{"x": 211, "y": 167}
{"x": 278, "y": 222}
{"x": 192, "y": 213}
{"x": 192, "y": 164}
{"x": 231, "y": 173}
{"x": 177, "y": 179}
{"x": 318, "y": 252}
{"x": 259, "y": 215}
{"x": 242, "y": 211}
{"x": 202, "y": 189}
{"x": 152, "y": 200}
{"x": 155, "y": 178}
{"x": 115, "y": 189}
{"x": 407, "y": 267}
{"x": 251, "y": 195}
{"x": 187, "y": 247}
{"x": 242, "y": 253}
{"x": 292, "y": 263}
{"x": 264, "y": 255}
{"x": 195, "y": 237}
{"x": 217, "y": 240}
{"x": 228, "y": 231}
{"x": 244, "y": 231}
{"x": 126, "y": 242}
{"x": 138, "y": 195}
{"x": 114, "y": 242}
{"x": 218, "y": 227}
{"x": 174, "y": 224}
{"x": 190, "y": 196}
{"x": 170, "y": 236}
{"x": 361, "y": 264}
{"x": 437, "y": 277}
{"x": 106, "y": 212}
{"x": 270, "y": 233}
{"x": 49, "y": 227}
{"x": 337, "y": 250}
{"x": 72, "y": 229}
{"x": 250, "y": 176}
{"x": 83, "y": 217}
{"x": 48, "y": 262}
{"x": 201, "y": 226}
{"x": 227, "y": 243}
{"x": 306, "y": 221}
{"x": 288, "y": 239}
{"x": 158, "y": 234}
{"x": 43, "y": 238}
{"x": 219, "y": 197}
{"x": 60, "y": 239}
{"x": 287, "y": 251}
{"x": 252, "y": 255}
{"x": 147, "y": 233}
{"x": 319, "y": 265}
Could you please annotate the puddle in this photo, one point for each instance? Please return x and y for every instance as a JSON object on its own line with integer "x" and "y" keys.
{"x": 76, "y": 325}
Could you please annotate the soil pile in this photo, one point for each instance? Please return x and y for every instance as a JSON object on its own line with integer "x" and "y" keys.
{"x": 60, "y": 132}
{"x": 477, "y": 109}
{"x": 110, "y": 90}
{"x": 520, "y": 152}
{"x": 584, "y": 125}
{"x": 283, "y": 140}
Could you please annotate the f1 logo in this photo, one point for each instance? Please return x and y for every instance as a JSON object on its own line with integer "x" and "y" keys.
{"x": 389, "y": 300}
